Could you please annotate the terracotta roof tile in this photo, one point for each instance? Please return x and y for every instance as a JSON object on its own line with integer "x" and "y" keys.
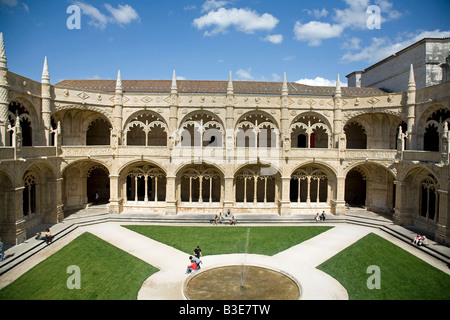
{"x": 212, "y": 87}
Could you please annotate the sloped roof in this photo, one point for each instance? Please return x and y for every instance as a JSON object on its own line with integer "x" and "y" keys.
{"x": 212, "y": 87}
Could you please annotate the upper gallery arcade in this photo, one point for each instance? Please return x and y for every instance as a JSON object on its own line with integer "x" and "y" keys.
{"x": 185, "y": 146}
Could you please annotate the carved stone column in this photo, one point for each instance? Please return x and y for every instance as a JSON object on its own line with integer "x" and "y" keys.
{"x": 4, "y": 94}
{"x": 46, "y": 109}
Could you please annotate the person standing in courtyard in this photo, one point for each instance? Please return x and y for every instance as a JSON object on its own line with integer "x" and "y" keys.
{"x": 198, "y": 252}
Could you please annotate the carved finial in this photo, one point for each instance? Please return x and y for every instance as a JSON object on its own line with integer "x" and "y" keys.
{"x": 284, "y": 90}
{"x": 45, "y": 72}
{"x": 174, "y": 87}
{"x": 338, "y": 92}
{"x": 230, "y": 88}
{"x": 412, "y": 81}
{"x": 119, "y": 83}
{"x": 3, "y": 60}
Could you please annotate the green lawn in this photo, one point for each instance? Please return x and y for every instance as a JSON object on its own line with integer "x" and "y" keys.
{"x": 216, "y": 240}
{"x": 402, "y": 275}
{"x": 107, "y": 273}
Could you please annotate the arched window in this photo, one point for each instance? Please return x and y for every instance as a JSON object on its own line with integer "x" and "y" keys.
{"x": 146, "y": 130}
{"x": 29, "y": 195}
{"x": 18, "y": 110}
{"x": 309, "y": 185}
{"x": 256, "y": 130}
{"x": 255, "y": 185}
{"x": 98, "y": 133}
{"x": 356, "y": 136}
{"x": 433, "y": 129}
{"x": 98, "y": 183}
{"x": 200, "y": 185}
{"x": 201, "y": 130}
{"x": 310, "y": 132}
{"x": 355, "y": 188}
{"x": 146, "y": 184}
{"x": 429, "y": 198}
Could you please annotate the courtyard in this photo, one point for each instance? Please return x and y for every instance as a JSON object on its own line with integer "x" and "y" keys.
{"x": 128, "y": 257}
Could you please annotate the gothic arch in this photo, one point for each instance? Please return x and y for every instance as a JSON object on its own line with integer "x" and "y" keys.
{"x": 98, "y": 131}
{"x": 257, "y": 129}
{"x": 423, "y": 194}
{"x": 144, "y": 182}
{"x": 82, "y": 179}
{"x": 146, "y": 128}
{"x": 22, "y": 108}
{"x": 201, "y": 129}
{"x": 199, "y": 183}
{"x": 310, "y": 130}
{"x": 39, "y": 182}
{"x": 356, "y": 135}
{"x": 431, "y": 126}
{"x": 257, "y": 184}
{"x": 310, "y": 184}
{"x": 370, "y": 185}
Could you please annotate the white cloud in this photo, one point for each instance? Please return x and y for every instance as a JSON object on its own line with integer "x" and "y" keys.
{"x": 244, "y": 20}
{"x": 213, "y": 5}
{"x": 189, "y": 7}
{"x": 123, "y": 14}
{"x": 275, "y": 39}
{"x": 381, "y": 48}
{"x": 352, "y": 44}
{"x": 354, "y": 16}
{"x": 276, "y": 77}
{"x": 244, "y": 74}
{"x": 97, "y": 19}
{"x": 317, "y": 13}
{"x": 314, "y": 32}
{"x": 319, "y": 81}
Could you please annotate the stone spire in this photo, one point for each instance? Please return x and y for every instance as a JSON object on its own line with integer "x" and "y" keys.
{"x": 4, "y": 93}
{"x": 174, "y": 87}
{"x": 230, "y": 88}
{"x": 46, "y": 108}
{"x": 119, "y": 87}
{"x": 284, "y": 90}
{"x": 3, "y": 60}
{"x": 411, "y": 87}
{"x": 45, "y": 72}
{"x": 412, "y": 80}
{"x": 338, "y": 91}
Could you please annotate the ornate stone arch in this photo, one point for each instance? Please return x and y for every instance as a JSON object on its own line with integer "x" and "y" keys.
{"x": 197, "y": 125}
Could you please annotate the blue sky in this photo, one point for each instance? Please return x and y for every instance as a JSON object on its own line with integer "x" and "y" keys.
{"x": 312, "y": 41}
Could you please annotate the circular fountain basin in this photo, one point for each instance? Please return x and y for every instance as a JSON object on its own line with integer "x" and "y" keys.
{"x": 241, "y": 283}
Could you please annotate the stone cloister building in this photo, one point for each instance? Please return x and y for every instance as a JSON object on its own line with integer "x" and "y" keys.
{"x": 180, "y": 146}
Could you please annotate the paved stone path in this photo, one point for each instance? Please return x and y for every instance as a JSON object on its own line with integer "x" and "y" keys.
{"x": 299, "y": 262}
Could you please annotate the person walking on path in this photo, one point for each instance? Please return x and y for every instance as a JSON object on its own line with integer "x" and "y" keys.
{"x": 97, "y": 198}
{"x": 198, "y": 252}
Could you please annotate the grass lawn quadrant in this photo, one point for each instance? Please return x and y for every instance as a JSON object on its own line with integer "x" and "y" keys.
{"x": 217, "y": 240}
{"x": 403, "y": 276}
{"x": 107, "y": 273}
